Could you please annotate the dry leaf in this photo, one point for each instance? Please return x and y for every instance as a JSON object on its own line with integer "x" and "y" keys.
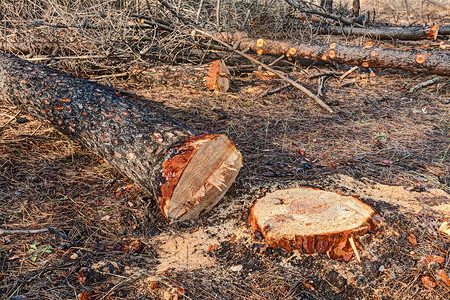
{"x": 445, "y": 227}
{"x": 86, "y": 296}
{"x": 135, "y": 246}
{"x": 153, "y": 285}
{"x": 212, "y": 248}
{"x": 218, "y": 77}
{"x": 412, "y": 239}
{"x": 443, "y": 276}
{"x": 428, "y": 282}
{"x": 265, "y": 75}
{"x": 432, "y": 259}
{"x": 105, "y": 218}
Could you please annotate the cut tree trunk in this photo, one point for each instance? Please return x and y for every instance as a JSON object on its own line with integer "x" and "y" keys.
{"x": 388, "y": 33}
{"x": 187, "y": 172}
{"x": 312, "y": 220}
{"x": 367, "y": 56}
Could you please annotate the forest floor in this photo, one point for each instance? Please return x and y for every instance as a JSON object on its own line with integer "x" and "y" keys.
{"x": 386, "y": 146}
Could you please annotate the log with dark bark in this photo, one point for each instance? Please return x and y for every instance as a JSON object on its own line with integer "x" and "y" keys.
{"x": 367, "y": 56}
{"x": 312, "y": 220}
{"x": 388, "y": 33}
{"x": 214, "y": 76}
{"x": 187, "y": 172}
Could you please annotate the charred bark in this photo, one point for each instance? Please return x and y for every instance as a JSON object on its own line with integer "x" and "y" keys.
{"x": 187, "y": 172}
{"x": 387, "y": 33}
{"x": 367, "y": 56}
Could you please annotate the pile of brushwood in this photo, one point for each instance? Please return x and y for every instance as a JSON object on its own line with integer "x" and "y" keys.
{"x": 101, "y": 39}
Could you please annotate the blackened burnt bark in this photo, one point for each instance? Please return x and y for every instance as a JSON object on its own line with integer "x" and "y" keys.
{"x": 150, "y": 148}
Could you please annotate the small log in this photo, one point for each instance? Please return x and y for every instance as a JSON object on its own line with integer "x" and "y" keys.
{"x": 214, "y": 76}
{"x": 367, "y": 56}
{"x": 388, "y": 33}
{"x": 187, "y": 172}
{"x": 312, "y": 220}
{"x": 183, "y": 75}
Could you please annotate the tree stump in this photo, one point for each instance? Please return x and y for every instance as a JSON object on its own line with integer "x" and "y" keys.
{"x": 186, "y": 171}
{"x": 312, "y": 220}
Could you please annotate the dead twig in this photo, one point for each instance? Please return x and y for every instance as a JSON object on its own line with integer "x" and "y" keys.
{"x": 9, "y": 121}
{"x": 324, "y": 74}
{"x": 280, "y": 75}
{"x": 278, "y": 89}
{"x": 355, "y": 250}
{"x": 200, "y": 6}
{"x": 421, "y": 85}
{"x": 353, "y": 69}
{"x": 34, "y": 231}
{"x": 218, "y": 14}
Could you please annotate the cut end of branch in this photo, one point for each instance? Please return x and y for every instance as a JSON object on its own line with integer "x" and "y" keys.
{"x": 198, "y": 176}
{"x": 420, "y": 58}
{"x": 260, "y": 43}
{"x": 312, "y": 220}
{"x": 332, "y": 54}
{"x": 291, "y": 52}
{"x": 433, "y": 33}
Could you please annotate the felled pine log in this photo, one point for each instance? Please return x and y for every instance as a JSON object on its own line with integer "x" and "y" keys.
{"x": 312, "y": 221}
{"x": 388, "y": 33}
{"x": 366, "y": 56}
{"x": 214, "y": 76}
{"x": 187, "y": 172}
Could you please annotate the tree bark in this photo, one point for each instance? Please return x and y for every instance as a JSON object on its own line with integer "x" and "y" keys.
{"x": 187, "y": 172}
{"x": 356, "y": 7}
{"x": 387, "y": 33}
{"x": 416, "y": 61}
{"x": 312, "y": 220}
{"x": 327, "y": 5}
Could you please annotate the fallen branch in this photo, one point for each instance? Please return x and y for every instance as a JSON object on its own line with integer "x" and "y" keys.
{"x": 34, "y": 231}
{"x": 421, "y": 85}
{"x": 387, "y": 33}
{"x": 416, "y": 61}
{"x": 280, "y": 75}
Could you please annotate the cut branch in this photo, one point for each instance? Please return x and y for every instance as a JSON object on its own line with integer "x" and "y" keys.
{"x": 424, "y": 84}
{"x": 387, "y": 33}
{"x": 416, "y": 61}
{"x": 187, "y": 172}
